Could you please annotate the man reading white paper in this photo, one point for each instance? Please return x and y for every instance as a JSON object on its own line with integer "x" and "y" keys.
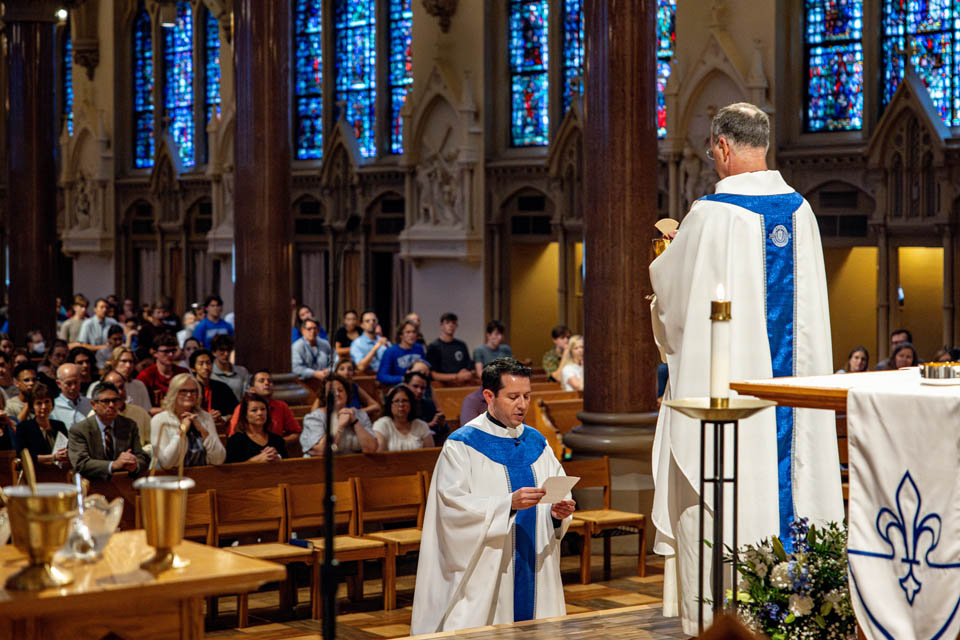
{"x": 759, "y": 238}
{"x": 490, "y": 551}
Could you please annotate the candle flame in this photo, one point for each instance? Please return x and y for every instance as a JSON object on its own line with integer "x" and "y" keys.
{"x": 721, "y": 294}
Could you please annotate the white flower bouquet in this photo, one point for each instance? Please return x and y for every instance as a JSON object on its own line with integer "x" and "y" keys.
{"x": 798, "y": 594}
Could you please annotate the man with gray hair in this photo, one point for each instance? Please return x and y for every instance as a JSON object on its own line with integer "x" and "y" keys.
{"x": 758, "y": 238}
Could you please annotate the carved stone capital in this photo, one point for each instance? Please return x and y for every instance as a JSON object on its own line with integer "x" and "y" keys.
{"x": 87, "y": 54}
{"x": 443, "y": 10}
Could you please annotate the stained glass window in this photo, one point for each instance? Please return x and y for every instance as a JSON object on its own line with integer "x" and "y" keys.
{"x": 356, "y": 60}
{"x": 666, "y": 46}
{"x": 401, "y": 66}
{"x": 178, "y": 81}
{"x": 308, "y": 80}
{"x": 529, "y": 85}
{"x": 68, "y": 81}
{"x": 930, "y": 31}
{"x": 142, "y": 91}
{"x": 212, "y": 67}
{"x": 834, "y": 58}
{"x": 572, "y": 49}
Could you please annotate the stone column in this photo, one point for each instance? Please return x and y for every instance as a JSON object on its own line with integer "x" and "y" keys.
{"x": 262, "y": 221}
{"x": 31, "y": 178}
{"x": 620, "y": 210}
{"x": 883, "y": 293}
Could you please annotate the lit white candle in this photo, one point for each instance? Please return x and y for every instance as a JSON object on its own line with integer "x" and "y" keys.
{"x": 720, "y": 350}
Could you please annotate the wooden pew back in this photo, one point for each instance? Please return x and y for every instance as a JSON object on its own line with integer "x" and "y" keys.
{"x": 243, "y": 511}
{"x": 390, "y": 499}
{"x": 592, "y": 473}
{"x": 563, "y": 413}
{"x": 305, "y": 508}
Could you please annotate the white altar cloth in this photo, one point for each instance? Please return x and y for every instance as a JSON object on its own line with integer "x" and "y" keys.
{"x": 904, "y": 511}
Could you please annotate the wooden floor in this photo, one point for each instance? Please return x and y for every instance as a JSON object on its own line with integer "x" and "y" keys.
{"x": 626, "y": 607}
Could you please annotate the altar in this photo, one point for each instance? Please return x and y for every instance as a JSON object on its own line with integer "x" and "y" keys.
{"x": 904, "y": 499}
{"x": 114, "y": 598}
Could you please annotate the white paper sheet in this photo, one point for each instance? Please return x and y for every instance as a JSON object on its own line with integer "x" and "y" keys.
{"x": 557, "y": 488}
{"x": 61, "y": 442}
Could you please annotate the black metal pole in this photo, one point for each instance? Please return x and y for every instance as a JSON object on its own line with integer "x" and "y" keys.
{"x": 703, "y": 472}
{"x": 329, "y": 574}
{"x": 717, "y": 564}
{"x": 736, "y": 511}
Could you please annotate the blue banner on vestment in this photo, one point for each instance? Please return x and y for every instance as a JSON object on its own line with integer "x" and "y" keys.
{"x": 517, "y": 455}
{"x": 779, "y": 252}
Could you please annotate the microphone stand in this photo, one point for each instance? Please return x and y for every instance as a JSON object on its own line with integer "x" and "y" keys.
{"x": 329, "y": 573}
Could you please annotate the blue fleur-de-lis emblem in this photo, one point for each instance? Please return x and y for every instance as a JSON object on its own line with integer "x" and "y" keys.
{"x": 907, "y": 531}
{"x": 908, "y": 565}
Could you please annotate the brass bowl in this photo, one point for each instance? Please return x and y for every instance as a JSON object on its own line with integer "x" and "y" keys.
{"x": 163, "y": 509}
{"x": 40, "y": 525}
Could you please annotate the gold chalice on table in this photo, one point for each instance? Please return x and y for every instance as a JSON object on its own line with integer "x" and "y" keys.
{"x": 41, "y": 517}
{"x": 163, "y": 508}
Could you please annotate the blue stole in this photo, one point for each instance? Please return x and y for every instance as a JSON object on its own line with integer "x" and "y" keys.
{"x": 517, "y": 455}
{"x": 777, "y": 216}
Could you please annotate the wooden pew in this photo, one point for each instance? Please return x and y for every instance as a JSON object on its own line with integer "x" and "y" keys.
{"x": 449, "y": 399}
{"x": 292, "y": 471}
{"x": 563, "y": 413}
{"x": 537, "y": 418}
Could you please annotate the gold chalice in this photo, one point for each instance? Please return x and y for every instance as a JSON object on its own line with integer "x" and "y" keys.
{"x": 163, "y": 508}
{"x": 40, "y": 520}
{"x": 659, "y": 246}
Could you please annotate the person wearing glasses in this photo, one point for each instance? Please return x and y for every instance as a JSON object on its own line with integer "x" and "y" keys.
{"x": 181, "y": 414}
{"x": 106, "y": 442}
{"x": 400, "y": 429}
{"x": 157, "y": 376}
{"x": 759, "y": 239}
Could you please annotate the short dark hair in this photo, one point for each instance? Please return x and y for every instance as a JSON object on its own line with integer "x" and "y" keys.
{"x": 39, "y": 392}
{"x": 559, "y": 331}
{"x": 78, "y": 351}
{"x": 492, "y": 377}
{"x": 349, "y": 311}
{"x": 254, "y": 375}
{"x": 400, "y": 329}
{"x": 104, "y": 386}
{"x": 449, "y": 316}
{"x": 303, "y": 325}
{"x": 906, "y": 331}
{"x": 495, "y": 325}
{"x": 222, "y": 341}
{"x": 196, "y": 354}
{"x": 23, "y": 366}
{"x": 388, "y": 408}
{"x": 165, "y": 339}
{"x": 103, "y": 300}
{"x": 114, "y": 330}
{"x": 366, "y": 311}
{"x": 213, "y": 298}
{"x": 411, "y": 374}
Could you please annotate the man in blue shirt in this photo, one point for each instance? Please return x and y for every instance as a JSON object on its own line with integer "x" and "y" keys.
{"x": 212, "y": 324}
{"x": 400, "y": 356}
{"x": 70, "y": 406}
{"x": 310, "y": 355}
{"x": 367, "y": 349}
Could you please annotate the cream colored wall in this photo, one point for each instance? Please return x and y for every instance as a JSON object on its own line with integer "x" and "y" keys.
{"x": 852, "y": 289}
{"x": 921, "y": 277}
{"x": 533, "y": 298}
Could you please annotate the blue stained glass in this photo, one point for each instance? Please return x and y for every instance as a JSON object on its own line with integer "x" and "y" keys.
{"x": 666, "y": 47}
{"x": 212, "y": 71}
{"x": 834, "y": 58}
{"x": 68, "y": 81}
{"x": 142, "y": 91}
{"x": 178, "y": 81}
{"x": 572, "y": 49}
{"x": 930, "y": 31}
{"x": 356, "y": 59}
{"x": 308, "y": 79}
{"x": 401, "y": 66}
{"x": 529, "y": 84}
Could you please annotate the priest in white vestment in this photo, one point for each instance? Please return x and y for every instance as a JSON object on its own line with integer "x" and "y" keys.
{"x": 758, "y": 238}
{"x": 490, "y": 554}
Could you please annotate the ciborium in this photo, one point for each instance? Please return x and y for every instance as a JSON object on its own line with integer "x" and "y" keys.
{"x": 40, "y": 520}
{"x": 163, "y": 510}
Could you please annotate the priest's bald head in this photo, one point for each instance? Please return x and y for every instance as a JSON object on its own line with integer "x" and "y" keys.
{"x": 739, "y": 139}
{"x": 506, "y": 388}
